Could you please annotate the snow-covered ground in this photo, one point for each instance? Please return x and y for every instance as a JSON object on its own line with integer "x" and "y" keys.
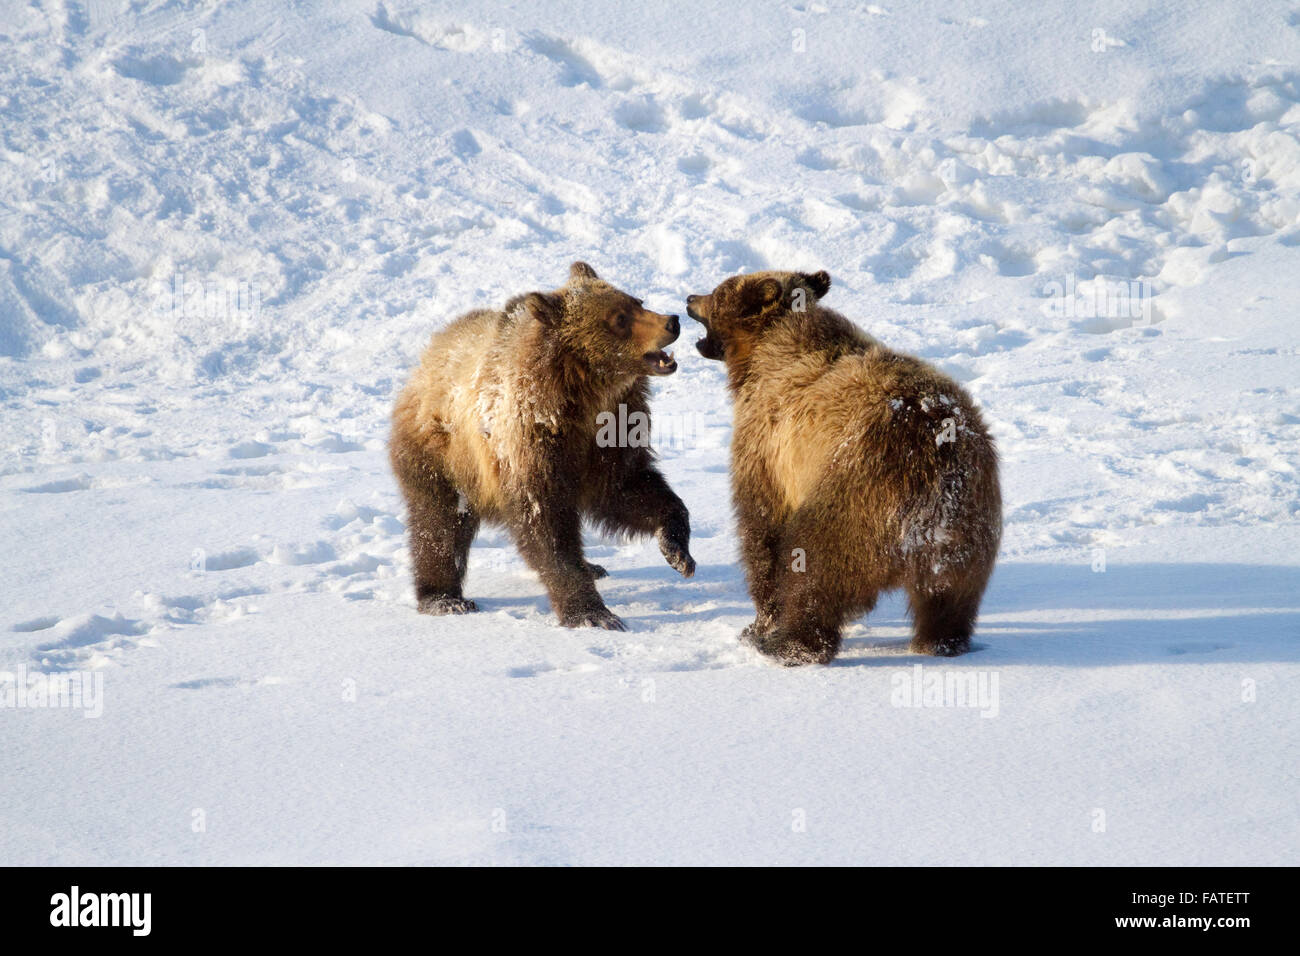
{"x": 226, "y": 231}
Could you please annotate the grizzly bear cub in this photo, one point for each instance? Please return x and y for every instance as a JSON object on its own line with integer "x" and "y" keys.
{"x": 501, "y": 423}
{"x": 855, "y": 469}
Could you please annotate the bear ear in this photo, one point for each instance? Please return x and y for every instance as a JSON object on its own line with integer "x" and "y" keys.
{"x": 819, "y": 283}
{"x": 546, "y": 308}
{"x": 580, "y": 270}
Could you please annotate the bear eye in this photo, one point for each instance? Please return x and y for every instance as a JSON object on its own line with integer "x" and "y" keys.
{"x": 621, "y": 321}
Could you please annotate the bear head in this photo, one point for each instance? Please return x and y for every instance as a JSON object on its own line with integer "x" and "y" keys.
{"x": 611, "y": 331}
{"x": 736, "y": 313}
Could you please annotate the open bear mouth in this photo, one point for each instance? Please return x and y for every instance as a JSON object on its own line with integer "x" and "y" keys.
{"x": 710, "y": 348}
{"x": 659, "y": 362}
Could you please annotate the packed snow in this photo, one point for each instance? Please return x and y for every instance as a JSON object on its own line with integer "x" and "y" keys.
{"x": 227, "y": 231}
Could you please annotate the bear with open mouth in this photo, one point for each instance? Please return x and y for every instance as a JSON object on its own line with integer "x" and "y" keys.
{"x": 855, "y": 469}
{"x": 500, "y": 423}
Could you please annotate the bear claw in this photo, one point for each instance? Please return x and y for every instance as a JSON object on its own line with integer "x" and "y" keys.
{"x": 602, "y": 618}
{"x": 446, "y": 604}
{"x": 683, "y": 564}
{"x": 674, "y": 538}
{"x": 677, "y": 555}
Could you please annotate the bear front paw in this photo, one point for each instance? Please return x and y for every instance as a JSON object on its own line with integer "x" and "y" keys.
{"x": 593, "y": 617}
{"x": 792, "y": 650}
{"x": 677, "y": 553}
{"x": 754, "y": 633}
{"x": 596, "y": 571}
{"x": 446, "y": 604}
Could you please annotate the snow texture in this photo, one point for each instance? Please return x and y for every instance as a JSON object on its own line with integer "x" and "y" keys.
{"x": 227, "y": 230}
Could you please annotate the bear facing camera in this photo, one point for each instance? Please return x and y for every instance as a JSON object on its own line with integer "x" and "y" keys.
{"x": 499, "y": 424}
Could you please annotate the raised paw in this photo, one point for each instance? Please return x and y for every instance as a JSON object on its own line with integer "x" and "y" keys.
{"x": 446, "y": 604}
{"x": 677, "y": 553}
{"x": 596, "y": 571}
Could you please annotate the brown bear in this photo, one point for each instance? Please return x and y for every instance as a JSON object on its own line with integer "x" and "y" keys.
{"x": 500, "y": 423}
{"x": 855, "y": 469}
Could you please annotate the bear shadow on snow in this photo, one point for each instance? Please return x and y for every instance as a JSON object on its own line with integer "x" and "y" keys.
{"x": 1246, "y": 614}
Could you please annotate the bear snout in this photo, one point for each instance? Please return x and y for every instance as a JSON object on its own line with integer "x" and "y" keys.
{"x": 669, "y": 327}
{"x": 655, "y": 333}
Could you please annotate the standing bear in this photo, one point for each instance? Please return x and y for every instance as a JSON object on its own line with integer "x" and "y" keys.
{"x": 502, "y": 422}
{"x": 855, "y": 469}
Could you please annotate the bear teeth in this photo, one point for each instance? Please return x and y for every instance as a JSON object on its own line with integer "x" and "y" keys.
{"x": 661, "y": 361}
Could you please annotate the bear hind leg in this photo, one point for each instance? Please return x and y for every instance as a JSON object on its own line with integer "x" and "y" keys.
{"x": 813, "y": 595}
{"x": 442, "y": 527}
{"x": 943, "y": 621}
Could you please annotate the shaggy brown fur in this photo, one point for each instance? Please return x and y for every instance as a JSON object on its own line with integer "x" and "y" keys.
{"x": 854, "y": 470}
{"x": 499, "y": 423}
